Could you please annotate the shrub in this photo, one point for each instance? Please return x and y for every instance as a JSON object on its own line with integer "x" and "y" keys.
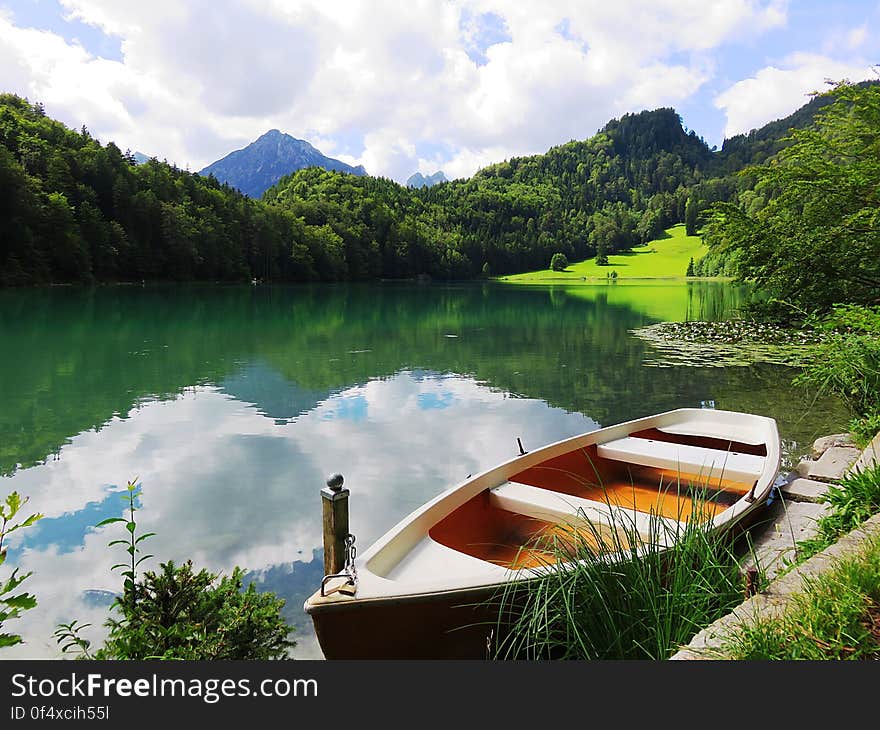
{"x": 183, "y": 614}
{"x": 12, "y": 604}
{"x": 178, "y": 613}
{"x": 864, "y": 428}
{"x": 848, "y": 363}
{"x": 559, "y": 262}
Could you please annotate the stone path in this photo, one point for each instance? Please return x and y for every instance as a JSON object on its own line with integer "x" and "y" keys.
{"x": 789, "y": 520}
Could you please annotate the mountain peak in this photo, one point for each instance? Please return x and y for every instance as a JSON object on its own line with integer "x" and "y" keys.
{"x": 417, "y": 180}
{"x": 267, "y": 159}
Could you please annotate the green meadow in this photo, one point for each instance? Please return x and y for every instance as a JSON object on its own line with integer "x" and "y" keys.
{"x": 663, "y": 258}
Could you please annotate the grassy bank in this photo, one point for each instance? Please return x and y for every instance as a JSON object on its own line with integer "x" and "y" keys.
{"x": 662, "y": 258}
{"x": 836, "y": 617}
{"x": 837, "y": 614}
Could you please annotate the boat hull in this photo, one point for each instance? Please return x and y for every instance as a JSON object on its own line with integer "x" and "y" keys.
{"x": 456, "y": 625}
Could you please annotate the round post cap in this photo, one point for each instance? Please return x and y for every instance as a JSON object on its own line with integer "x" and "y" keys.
{"x": 335, "y": 481}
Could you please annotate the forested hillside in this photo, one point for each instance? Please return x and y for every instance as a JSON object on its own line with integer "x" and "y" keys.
{"x": 75, "y": 210}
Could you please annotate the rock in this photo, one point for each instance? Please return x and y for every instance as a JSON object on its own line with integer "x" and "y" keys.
{"x": 774, "y": 541}
{"x": 833, "y": 464}
{"x": 803, "y": 467}
{"x": 821, "y": 445}
{"x": 804, "y": 490}
{"x": 870, "y": 456}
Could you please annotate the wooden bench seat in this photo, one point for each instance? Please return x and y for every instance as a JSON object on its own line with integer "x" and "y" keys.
{"x": 683, "y": 458}
{"x": 556, "y": 507}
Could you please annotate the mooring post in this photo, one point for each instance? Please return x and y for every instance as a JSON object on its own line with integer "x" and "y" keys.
{"x": 335, "y": 512}
{"x": 751, "y": 582}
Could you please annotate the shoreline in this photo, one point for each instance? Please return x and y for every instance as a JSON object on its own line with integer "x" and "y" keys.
{"x": 580, "y": 281}
{"x": 793, "y": 519}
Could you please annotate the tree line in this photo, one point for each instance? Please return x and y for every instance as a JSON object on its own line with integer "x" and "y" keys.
{"x": 76, "y": 211}
{"x": 807, "y": 233}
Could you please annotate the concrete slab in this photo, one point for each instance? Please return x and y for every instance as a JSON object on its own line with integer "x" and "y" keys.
{"x": 870, "y": 456}
{"x": 804, "y": 490}
{"x": 709, "y": 643}
{"x": 823, "y": 443}
{"x": 774, "y": 539}
{"x": 833, "y": 464}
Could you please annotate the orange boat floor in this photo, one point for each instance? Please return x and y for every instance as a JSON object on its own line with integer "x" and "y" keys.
{"x": 513, "y": 540}
{"x": 666, "y": 492}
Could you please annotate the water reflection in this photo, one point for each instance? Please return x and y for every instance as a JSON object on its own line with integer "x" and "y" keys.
{"x": 232, "y": 404}
{"x": 226, "y": 485}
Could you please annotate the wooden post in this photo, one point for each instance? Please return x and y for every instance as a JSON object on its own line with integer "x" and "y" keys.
{"x": 335, "y": 513}
{"x": 751, "y": 582}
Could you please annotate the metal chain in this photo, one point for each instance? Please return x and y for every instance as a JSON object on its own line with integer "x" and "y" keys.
{"x": 349, "y": 570}
{"x": 351, "y": 554}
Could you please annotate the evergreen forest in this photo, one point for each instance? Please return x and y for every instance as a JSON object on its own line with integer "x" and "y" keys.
{"x": 74, "y": 210}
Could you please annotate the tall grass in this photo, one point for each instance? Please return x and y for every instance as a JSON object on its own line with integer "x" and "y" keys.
{"x": 617, "y": 592}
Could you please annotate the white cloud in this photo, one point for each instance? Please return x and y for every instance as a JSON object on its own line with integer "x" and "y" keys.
{"x": 200, "y": 79}
{"x": 775, "y": 92}
{"x": 857, "y": 36}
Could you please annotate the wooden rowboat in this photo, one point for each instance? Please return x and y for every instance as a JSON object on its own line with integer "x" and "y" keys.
{"x": 421, "y": 590}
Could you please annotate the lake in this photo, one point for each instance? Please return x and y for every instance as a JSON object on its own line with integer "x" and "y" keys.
{"x": 232, "y": 404}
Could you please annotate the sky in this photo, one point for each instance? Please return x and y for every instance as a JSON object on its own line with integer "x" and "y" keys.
{"x": 421, "y": 85}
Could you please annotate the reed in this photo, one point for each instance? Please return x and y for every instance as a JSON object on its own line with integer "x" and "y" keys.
{"x": 612, "y": 591}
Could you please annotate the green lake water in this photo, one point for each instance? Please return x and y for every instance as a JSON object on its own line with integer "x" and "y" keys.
{"x": 232, "y": 404}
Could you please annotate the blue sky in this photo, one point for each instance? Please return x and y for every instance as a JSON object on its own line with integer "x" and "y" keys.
{"x": 422, "y": 85}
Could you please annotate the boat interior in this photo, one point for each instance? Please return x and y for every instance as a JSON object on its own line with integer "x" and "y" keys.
{"x": 602, "y": 496}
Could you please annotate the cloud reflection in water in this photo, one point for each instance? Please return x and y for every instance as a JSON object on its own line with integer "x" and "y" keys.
{"x": 227, "y": 484}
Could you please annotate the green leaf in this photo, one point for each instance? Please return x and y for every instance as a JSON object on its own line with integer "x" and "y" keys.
{"x": 13, "y": 582}
{"x": 22, "y": 601}
{"x": 33, "y": 518}
{"x": 144, "y": 537}
{"x": 9, "y": 640}
{"x": 131, "y": 527}
{"x": 109, "y": 521}
{"x": 14, "y": 502}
